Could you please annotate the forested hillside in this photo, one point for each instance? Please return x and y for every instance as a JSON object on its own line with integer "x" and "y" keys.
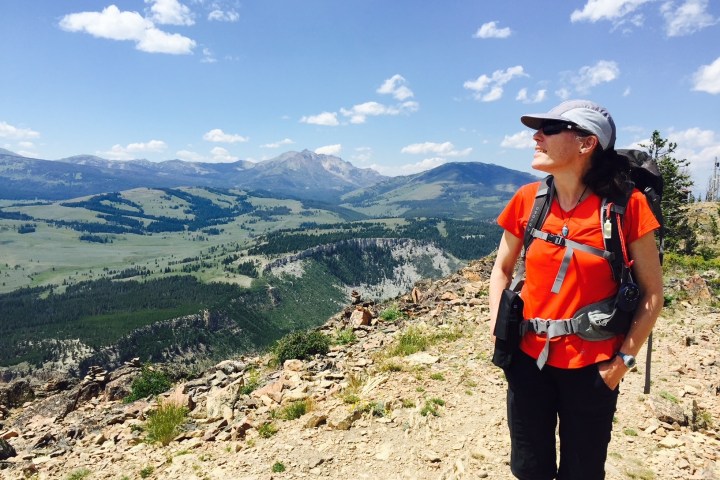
{"x": 135, "y": 273}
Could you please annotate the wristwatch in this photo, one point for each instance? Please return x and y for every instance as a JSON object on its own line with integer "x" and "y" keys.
{"x": 628, "y": 360}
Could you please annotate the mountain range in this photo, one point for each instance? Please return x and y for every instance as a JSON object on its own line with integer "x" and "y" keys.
{"x": 448, "y": 190}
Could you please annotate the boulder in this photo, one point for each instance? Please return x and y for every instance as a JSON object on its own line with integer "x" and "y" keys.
{"x": 16, "y": 393}
{"x": 360, "y": 316}
{"x": 6, "y": 450}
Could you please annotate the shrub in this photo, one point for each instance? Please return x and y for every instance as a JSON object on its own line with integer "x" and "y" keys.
{"x": 164, "y": 423}
{"x": 391, "y": 314}
{"x": 278, "y": 467}
{"x": 146, "y": 472}
{"x": 301, "y": 345}
{"x": 345, "y": 336}
{"x": 411, "y": 341}
{"x": 375, "y": 409}
{"x": 669, "y": 397}
{"x": 267, "y": 430}
{"x": 294, "y": 410}
{"x": 150, "y": 382}
{"x": 430, "y": 407}
{"x": 252, "y": 382}
{"x": 79, "y": 474}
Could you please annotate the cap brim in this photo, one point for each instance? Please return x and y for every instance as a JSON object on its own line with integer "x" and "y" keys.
{"x": 536, "y": 120}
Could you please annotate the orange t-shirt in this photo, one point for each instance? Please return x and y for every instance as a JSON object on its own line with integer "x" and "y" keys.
{"x": 588, "y": 278}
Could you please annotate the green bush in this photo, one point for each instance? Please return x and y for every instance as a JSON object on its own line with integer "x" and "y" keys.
{"x": 278, "y": 467}
{"x": 301, "y": 345}
{"x": 164, "y": 423}
{"x": 430, "y": 407}
{"x": 294, "y": 410}
{"x": 391, "y": 314}
{"x": 345, "y": 336}
{"x": 411, "y": 341}
{"x": 252, "y": 382}
{"x": 267, "y": 430}
{"x": 150, "y": 382}
{"x": 146, "y": 472}
{"x": 79, "y": 474}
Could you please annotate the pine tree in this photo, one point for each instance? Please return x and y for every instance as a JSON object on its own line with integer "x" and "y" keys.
{"x": 679, "y": 235}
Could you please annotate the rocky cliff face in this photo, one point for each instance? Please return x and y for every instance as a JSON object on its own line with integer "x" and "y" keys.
{"x": 374, "y": 410}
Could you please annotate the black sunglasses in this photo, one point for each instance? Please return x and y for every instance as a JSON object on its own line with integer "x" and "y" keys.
{"x": 557, "y": 127}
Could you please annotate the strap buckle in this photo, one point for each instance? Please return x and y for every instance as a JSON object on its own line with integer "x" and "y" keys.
{"x": 556, "y": 239}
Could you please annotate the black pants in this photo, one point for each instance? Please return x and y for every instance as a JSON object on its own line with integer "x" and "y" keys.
{"x": 582, "y": 402}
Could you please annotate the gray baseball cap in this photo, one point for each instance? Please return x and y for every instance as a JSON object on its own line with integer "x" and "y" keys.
{"x": 584, "y": 114}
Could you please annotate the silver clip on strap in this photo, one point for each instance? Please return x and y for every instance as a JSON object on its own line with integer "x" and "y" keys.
{"x": 551, "y": 329}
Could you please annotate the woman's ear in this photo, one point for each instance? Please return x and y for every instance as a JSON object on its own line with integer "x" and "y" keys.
{"x": 588, "y": 143}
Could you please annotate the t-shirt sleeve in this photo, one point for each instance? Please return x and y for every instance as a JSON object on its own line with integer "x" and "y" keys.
{"x": 514, "y": 216}
{"x": 639, "y": 218}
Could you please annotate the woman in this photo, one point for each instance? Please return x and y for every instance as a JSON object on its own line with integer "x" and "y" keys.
{"x": 577, "y": 382}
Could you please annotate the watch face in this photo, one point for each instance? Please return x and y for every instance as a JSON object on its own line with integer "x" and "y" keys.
{"x": 629, "y": 361}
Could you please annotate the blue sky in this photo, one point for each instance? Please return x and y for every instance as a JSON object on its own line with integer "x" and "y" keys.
{"x": 397, "y": 85}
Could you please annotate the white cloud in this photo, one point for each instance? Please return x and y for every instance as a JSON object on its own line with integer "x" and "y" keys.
{"x": 170, "y": 12}
{"x": 563, "y": 93}
{"x": 409, "y": 168}
{"x": 520, "y": 140}
{"x": 707, "y": 78}
{"x": 688, "y": 18}
{"x": 329, "y": 150}
{"x": 157, "y": 41}
{"x": 701, "y": 148}
{"x": 362, "y": 155}
{"x": 208, "y": 56}
{"x": 221, "y": 155}
{"x": 490, "y": 30}
{"x": 224, "y": 16}
{"x": 10, "y": 131}
{"x": 592, "y": 75}
{"x": 113, "y": 24}
{"x": 493, "y": 83}
{"x": 359, "y": 113}
{"x": 397, "y": 87}
{"x": 284, "y": 141}
{"x": 328, "y": 119}
{"x": 539, "y": 96}
{"x": 218, "y": 136}
{"x": 27, "y": 153}
{"x": 189, "y": 156}
{"x": 131, "y": 151}
{"x": 153, "y": 146}
{"x": 613, "y": 10}
{"x": 445, "y": 149}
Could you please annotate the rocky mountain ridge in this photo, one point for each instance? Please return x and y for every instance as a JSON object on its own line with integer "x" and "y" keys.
{"x": 374, "y": 411}
{"x": 304, "y": 174}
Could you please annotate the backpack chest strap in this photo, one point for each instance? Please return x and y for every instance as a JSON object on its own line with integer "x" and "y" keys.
{"x": 570, "y": 247}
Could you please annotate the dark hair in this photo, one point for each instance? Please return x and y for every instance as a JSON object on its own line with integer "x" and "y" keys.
{"x": 609, "y": 173}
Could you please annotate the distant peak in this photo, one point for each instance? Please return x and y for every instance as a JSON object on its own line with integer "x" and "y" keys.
{"x": 8, "y": 152}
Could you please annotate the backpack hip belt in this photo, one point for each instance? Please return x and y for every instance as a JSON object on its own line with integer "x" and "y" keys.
{"x": 589, "y": 323}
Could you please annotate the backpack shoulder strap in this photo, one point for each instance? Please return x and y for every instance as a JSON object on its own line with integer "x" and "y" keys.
{"x": 540, "y": 209}
{"x": 612, "y": 213}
